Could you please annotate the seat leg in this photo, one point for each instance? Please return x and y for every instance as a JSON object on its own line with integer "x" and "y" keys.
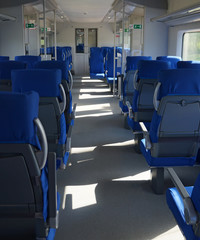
{"x": 126, "y": 126}
{"x": 157, "y": 180}
{"x": 137, "y": 137}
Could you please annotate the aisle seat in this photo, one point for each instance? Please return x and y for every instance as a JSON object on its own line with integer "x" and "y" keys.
{"x": 185, "y": 206}
{"x": 52, "y": 105}
{"x": 173, "y": 138}
{"x": 6, "y": 68}
{"x": 29, "y": 201}
{"x": 29, "y": 60}
{"x": 172, "y": 59}
{"x": 96, "y": 63}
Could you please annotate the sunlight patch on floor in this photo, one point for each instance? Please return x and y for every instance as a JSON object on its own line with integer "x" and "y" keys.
{"x": 82, "y": 195}
{"x": 125, "y": 143}
{"x": 89, "y": 96}
{"x": 173, "y": 233}
{"x": 95, "y": 90}
{"x": 95, "y": 115}
{"x": 82, "y": 149}
{"x": 92, "y": 107}
{"x": 143, "y": 176}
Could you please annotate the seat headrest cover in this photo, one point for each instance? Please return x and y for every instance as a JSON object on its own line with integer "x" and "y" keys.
{"x": 4, "y": 58}
{"x": 149, "y": 69}
{"x": 132, "y": 61}
{"x": 172, "y": 59}
{"x": 179, "y": 82}
{"x": 7, "y": 66}
{"x": 27, "y": 58}
{"x": 53, "y": 65}
{"x": 45, "y": 82}
{"x": 18, "y": 110}
{"x": 189, "y": 64}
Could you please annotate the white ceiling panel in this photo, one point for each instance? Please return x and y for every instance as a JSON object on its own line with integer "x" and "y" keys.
{"x": 85, "y": 10}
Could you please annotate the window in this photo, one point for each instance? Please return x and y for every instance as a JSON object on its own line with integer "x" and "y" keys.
{"x": 191, "y": 46}
{"x": 79, "y": 38}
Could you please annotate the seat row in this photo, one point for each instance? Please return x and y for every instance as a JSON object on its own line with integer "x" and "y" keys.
{"x": 165, "y": 114}
{"x": 39, "y": 93}
{"x": 101, "y": 63}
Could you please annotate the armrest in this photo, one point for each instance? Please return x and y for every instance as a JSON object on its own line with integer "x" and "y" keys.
{"x": 52, "y": 191}
{"x": 64, "y": 101}
{"x": 70, "y": 80}
{"x": 146, "y": 136}
{"x": 73, "y": 114}
{"x": 130, "y": 110}
{"x": 155, "y": 95}
{"x": 41, "y": 155}
{"x": 135, "y": 79}
{"x": 191, "y": 215}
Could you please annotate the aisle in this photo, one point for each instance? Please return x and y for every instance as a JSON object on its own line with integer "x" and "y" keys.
{"x": 105, "y": 190}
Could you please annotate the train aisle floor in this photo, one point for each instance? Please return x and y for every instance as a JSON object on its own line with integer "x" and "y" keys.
{"x": 105, "y": 190}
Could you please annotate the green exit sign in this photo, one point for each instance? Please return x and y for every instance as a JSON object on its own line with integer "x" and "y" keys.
{"x": 30, "y": 25}
{"x": 137, "y": 26}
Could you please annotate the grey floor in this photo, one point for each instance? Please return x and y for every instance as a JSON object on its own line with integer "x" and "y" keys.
{"x": 105, "y": 190}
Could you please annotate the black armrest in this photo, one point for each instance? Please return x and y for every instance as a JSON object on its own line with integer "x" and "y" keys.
{"x": 191, "y": 215}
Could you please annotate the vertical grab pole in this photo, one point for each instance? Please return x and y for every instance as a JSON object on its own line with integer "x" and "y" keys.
{"x": 55, "y": 39}
{"x": 114, "y": 58}
{"x": 123, "y": 29}
{"x": 45, "y": 37}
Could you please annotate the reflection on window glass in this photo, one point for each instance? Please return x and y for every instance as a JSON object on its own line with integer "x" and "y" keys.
{"x": 92, "y": 37}
{"x": 79, "y": 38}
{"x": 191, "y": 46}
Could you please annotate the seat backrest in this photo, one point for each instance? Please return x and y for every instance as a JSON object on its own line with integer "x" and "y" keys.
{"x": 132, "y": 61}
{"x": 4, "y": 58}
{"x": 188, "y": 64}
{"x": 172, "y": 59}
{"x": 96, "y": 60}
{"x": 21, "y": 190}
{"x": 6, "y": 68}
{"x": 144, "y": 88}
{"x": 29, "y": 60}
{"x": 174, "y": 128}
{"x": 51, "y": 110}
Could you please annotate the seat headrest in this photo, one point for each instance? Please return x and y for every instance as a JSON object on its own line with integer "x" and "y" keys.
{"x": 53, "y": 65}
{"x": 172, "y": 59}
{"x": 189, "y": 64}
{"x": 179, "y": 82}
{"x": 149, "y": 69}
{"x": 45, "y": 82}
{"x": 18, "y": 110}
{"x": 28, "y": 58}
{"x": 132, "y": 61}
{"x": 7, "y": 66}
{"x": 4, "y": 58}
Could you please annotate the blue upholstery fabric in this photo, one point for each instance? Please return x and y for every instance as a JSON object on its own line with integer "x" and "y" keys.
{"x": 29, "y": 60}
{"x": 179, "y": 82}
{"x": 188, "y": 64}
{"x": 196, "y": 194}
{"x": 110, "y": 80}
{"x": 123, "y": 107}
{"x": 135, "y": 101}
{"x": 175, "y": 204}
{"x": 53, "y": 65}
{"x": 155, "y": 123}
{"x": 110, "y": 62}
{"x": 172, "y": 59}
{"x": 63, "y": 137}
{"x": 135, "y": 126}
{"x": 149, "y": 69}
{"x": 4, "y": 58}
{"x": 45, "y": 82}
{"x": 97, "y": 75}
{"x": 165, "y": 161}
{"x": 7, "y": 66}
{"x": 16, "y": 123}
{"x": 132, "y": 61}
{"x": 96, "y": 60}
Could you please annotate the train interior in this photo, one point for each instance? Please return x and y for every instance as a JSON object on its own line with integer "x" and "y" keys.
{"x": 100, "y": 116}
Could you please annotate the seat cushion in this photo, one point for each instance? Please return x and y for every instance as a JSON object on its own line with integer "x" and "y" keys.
{"x": 165, "y": 161}
{"x": 175, "y": 204}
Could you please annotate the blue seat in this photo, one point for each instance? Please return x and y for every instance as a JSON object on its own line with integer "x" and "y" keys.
{"x": 188, "y": 64}
{"x": 28, "y": 203}
{"x": 172, "y": 59}
{"x": 174, "y": 130}
{"x": 6, "y": 68}
{"x": 52, "y": 105}
{"x": 69, "y": 112}
{"x": 96, "y": 63}
{"x": 186, "y": 209}
{"x": 29, "y": 60}
{"x": 127, "y": 83}
{"x": 4, "y": 58}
